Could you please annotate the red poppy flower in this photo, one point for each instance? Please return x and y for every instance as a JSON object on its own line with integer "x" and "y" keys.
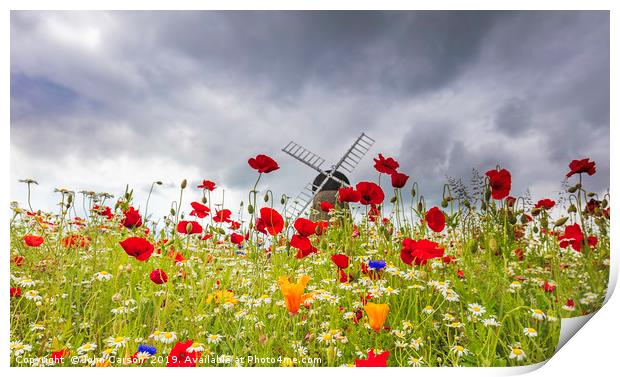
{"x": 158, "y": 276}
{"x": 180, "y": 357}
{"x": 545, "y": 203}
{"x": 207, "y": 185}
{"x": 305, "y": 227}
{"x": 58, "y": 356}
{"x": 189, "y": 227}
{"x": 573, "y": 236}
{"x": 348, "y": 195}
{"x": 510, "y": 201}
{"x": 18, "y": 260}
{"x": 207, "y": 236}
{"x": 270, "y": 221}
{"x": 500, "y": 182}
{"x": 420, "y": 251}
{"x": 592, "y": 241}
{"x": 343, "y": 277}
{"x": 137, "y": 247}
{"x": 592, "y": 205}
{"x": 370, "y": 193}
{"x": 222, "y": 216}
{"x": 399, "y": 180}
{"x": 340, "y": 260}
{"x": 236, "y": 238}
{"x": 321, "y": 226}
{"x": 373, "y": 360}
{"x": 386, "y": 165}
{"x": 449, "y": 259}
{"x": 15, "y": 292}
{"x": 234, "y": 225}
{"x": 132, "y": 218}
{"x": 373, "y": 213}
{"x": 519, "y": 254}
{"x": 199, "y": 210}
{"x": 33, "y": 241}
{"x": 76, "y": 240}
{"x": 300, "y": 242}
{"x": 103, "y": 211}
{"x": 304, "y": 253}
{"x": 263, "y": 164}
{"x": 548, "y": 287}
{"x": 326, "y": 206}
{"x": 435, "y": 219}
{"x": 581, "y": 166}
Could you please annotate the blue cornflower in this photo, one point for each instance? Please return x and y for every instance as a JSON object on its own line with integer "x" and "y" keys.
{"x": 376, "y": 264}
{"x": 151, "y": 350}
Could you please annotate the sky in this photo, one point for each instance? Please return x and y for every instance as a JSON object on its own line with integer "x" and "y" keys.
{"x": 100, "y": 100}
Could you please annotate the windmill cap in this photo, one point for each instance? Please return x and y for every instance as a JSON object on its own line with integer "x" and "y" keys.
{"x": 331, "y": 185}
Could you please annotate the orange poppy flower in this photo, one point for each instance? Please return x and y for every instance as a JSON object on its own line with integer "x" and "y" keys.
{"x": 294, "y": 292}
{"x": 377, "y": 314}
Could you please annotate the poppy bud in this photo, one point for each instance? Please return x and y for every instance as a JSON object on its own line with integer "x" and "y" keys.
{"x": 173, "y": 212}
{"x": 483, "y": 206}
{"x": 204, "y": 200}
{"x": 184, "y": 184}
{"x": 572, "y": 190}
{"x": 188, "y": 228}
{"x": 266, "y": 198}
{"x": 493, "y": 245}
{"x": 444, "y": 203}
{"x": 420, "y": 208}
{"x": 544, "y": 222}
{"x": 393, "y": 199}
{"x": 572, "y": 208}
{"x": 591, "y": 194}
{"x": 604, "y": 203}
{"x": 413, "y": 192}
{"x": 159, "y": 183}
{"x": 561, "y": 221}
{"x": 513, "y": 220}
{"x": 283, "y": 199}
{"x": 535, "y": 229}
{"x": 466, "y": 203}
{"x": 487, "y": 194}
{"x": 535, "y": 211}
{"x": 250, "y": 209}
{"x": 70, "y": 199}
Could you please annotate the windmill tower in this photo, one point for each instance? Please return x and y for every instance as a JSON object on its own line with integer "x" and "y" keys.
{"x": 347, "y": 163}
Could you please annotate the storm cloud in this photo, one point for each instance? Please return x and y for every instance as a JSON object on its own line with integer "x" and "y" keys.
{"x": 104, "y": 99}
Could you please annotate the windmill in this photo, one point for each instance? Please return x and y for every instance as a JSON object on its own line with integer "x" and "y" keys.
{"x": 347, "y": 163}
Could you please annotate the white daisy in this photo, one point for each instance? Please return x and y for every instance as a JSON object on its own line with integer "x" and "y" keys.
{"x": 167, "y": 337}
{"x": 476, "y": 309}
{"x": 86, "y": 347}
{"x": 531, "y": 332}
{"x": 116, "y": 341}
{"x": 459, "y": 350}
{"x": 538, "y": 314}
{"x": 415, "y": 361}
{"x": 517, "y": 353}
{"x": 18, "y": 347}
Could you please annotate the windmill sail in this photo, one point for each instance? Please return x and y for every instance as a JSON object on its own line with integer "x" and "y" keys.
{"x": 348, "y": 162}
{"x": 305, "y": 156}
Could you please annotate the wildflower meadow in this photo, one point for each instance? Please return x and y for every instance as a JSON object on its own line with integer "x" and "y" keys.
{"x": 377, "y": 278}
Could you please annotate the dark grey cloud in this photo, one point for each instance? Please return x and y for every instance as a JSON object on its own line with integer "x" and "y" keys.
{"x": 131, "y": 97}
